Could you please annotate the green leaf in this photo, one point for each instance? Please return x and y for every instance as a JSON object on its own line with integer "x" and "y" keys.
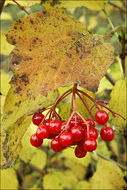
{"x": 107, "y": 176}
{"x": 9, "y": 179}
{"x": 118, "y": 104}
{"x": 55, "y": 180}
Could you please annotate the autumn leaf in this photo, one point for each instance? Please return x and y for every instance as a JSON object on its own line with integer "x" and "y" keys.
{"x": 11, "y": 141}
{"x": 53, "y": 50}
{"x": 107, "y": 176}
{"x": 23, "y": 3}
{"x": 94, "y": 5}
{"x": 117, "y": 103}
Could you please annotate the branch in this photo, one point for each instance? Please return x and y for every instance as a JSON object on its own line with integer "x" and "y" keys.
{"x": 109, "y": 159}
{"x": 1, "y": 5}
{"x": 116, "y": 6}
{"x": 110, "y": 78}
{"x": 110, "y": 34}
{"x": 21, "y": 7}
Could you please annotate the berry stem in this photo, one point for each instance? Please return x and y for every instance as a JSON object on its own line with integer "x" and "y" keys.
{"x": 85, "y": 94}
{"x": 74, "y": 97}
{"x": 113, "y": 113}
{"x": 85, "y": 105}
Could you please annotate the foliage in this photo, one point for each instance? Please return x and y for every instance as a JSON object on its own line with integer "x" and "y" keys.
{"x": 59, "y": 47}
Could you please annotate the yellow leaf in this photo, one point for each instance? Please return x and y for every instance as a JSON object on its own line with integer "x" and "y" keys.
{"x": 6, "y": 16}
{"x": 26, "y": 3}
{"x": 78, "y": 170}
{"x": 107, "y": 176}
{"x": 2, "y": 100}
{"x": 34, "y": 187}
{"x": 54, "y": 50}
{"x": 39, "y": 159}
{"x": 11, "y": 141}
{"x": 118, "y": 104}
{"x": 71, "y": 178}
{"x": 4, "y": 82}
{"x": 83, "y": 185}
{"x": 6, "y": 48}
{"x": 8, "y": 179}
{"x": 92, "y": 22}
{"x": 55, "y": 180}
{"x": 93, "y": 5}
{"x": 14, "y": 108}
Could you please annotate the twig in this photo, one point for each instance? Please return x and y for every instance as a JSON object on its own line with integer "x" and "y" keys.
{"x": 123, "y": 49}
{"x": 116, "y": 6}
{"x": 109, "y": 159}
{"x": 1, "y": 5}
{"x": 113, "y": 31}
{"x": 21, "y": 7}
{"x": 110, "y": 78}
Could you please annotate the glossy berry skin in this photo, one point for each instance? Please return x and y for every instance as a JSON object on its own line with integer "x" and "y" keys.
{"x": 90, "y": 145}
{"x": 92, "y": 133}
{"x": 80, "y": 152}
{"x": 55, "y": 145}
{"x": 107, "y": 133}
{"x": 101, "y": 117}
{"x": 47, "y": 122}
{"x": 37, "y": 118}
{"x": 77, "y": 133}
{"x": 35, "y": 141}
{"x": 90, "y": 122}
{"x": 74, "y": 122}
{"x": 55, "y": 127}
{"x": 65, "y": 139}
{"x": 42, "y": 131}
{"x": 51, "y": 136}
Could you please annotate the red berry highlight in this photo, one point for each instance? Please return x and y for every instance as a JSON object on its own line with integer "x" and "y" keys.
{"x": 55, "y": 127}
{"x": 42, "y": 131}
{"x": 35, "y": 141}
{"x": 101, "y": 117}
{"x": 55, "y": 145}
{"x": 65, "y": 139}
{"x": 37, "y": 118}
{"x": 92, "y": 133}
{"x": 107, "y": 133}
{"x": 77, "y": 133}
{"x": 90, "y": 145}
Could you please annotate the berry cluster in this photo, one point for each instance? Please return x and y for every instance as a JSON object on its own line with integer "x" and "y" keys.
{"x": 76, "y": 131}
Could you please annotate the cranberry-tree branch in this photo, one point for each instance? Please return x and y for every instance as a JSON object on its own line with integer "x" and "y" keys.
{"x": 21, "y": 7}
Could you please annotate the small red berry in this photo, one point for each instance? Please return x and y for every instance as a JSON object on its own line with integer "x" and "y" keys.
{"x": 77, "y": 133}
{"x": 55, "y": 127}
{"x": 101, "y": 117}
{"x": 107, "y": 133}
{"x": 90, "y": 145}
{"x": 75, "y": 121}
{"x": 92, "y": 133}
{"x": 90, "y": 122}
{"x": 35, "y": 141}
{"x": 51, "y": 136}
{"x": 42, "y": 131}
{"x": 55, "y": 145}
{"x": 37, "y": 118}
{"x": 80, "y": 152}
{"x": 65, "y": 139}
{"x": 47, "y": 122}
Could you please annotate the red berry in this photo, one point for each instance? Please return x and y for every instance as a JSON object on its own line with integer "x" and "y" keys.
{"x": 77, "y": 133}
{"x": 55, "y": 145}
{"x": 80, "y": 152}
{"x": 101, "y": 117}
{"x": 42, "y": 131}
{"x": 55, "y": 127}
{"x": 37, "y": 118}
{"x": 107, "y": 133}
{"x": 90, "y": 122}
{"x": 65, "y": 139}
{"x": 51, "y": 136}
{"x": 47, "y": 122}
{"x": 90, "y": 145}
{"x": 35, "y": 141}
{"x": 76, "y": 121}
{"x": 92, "y": 133}
{"x": 63, "y": 126}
